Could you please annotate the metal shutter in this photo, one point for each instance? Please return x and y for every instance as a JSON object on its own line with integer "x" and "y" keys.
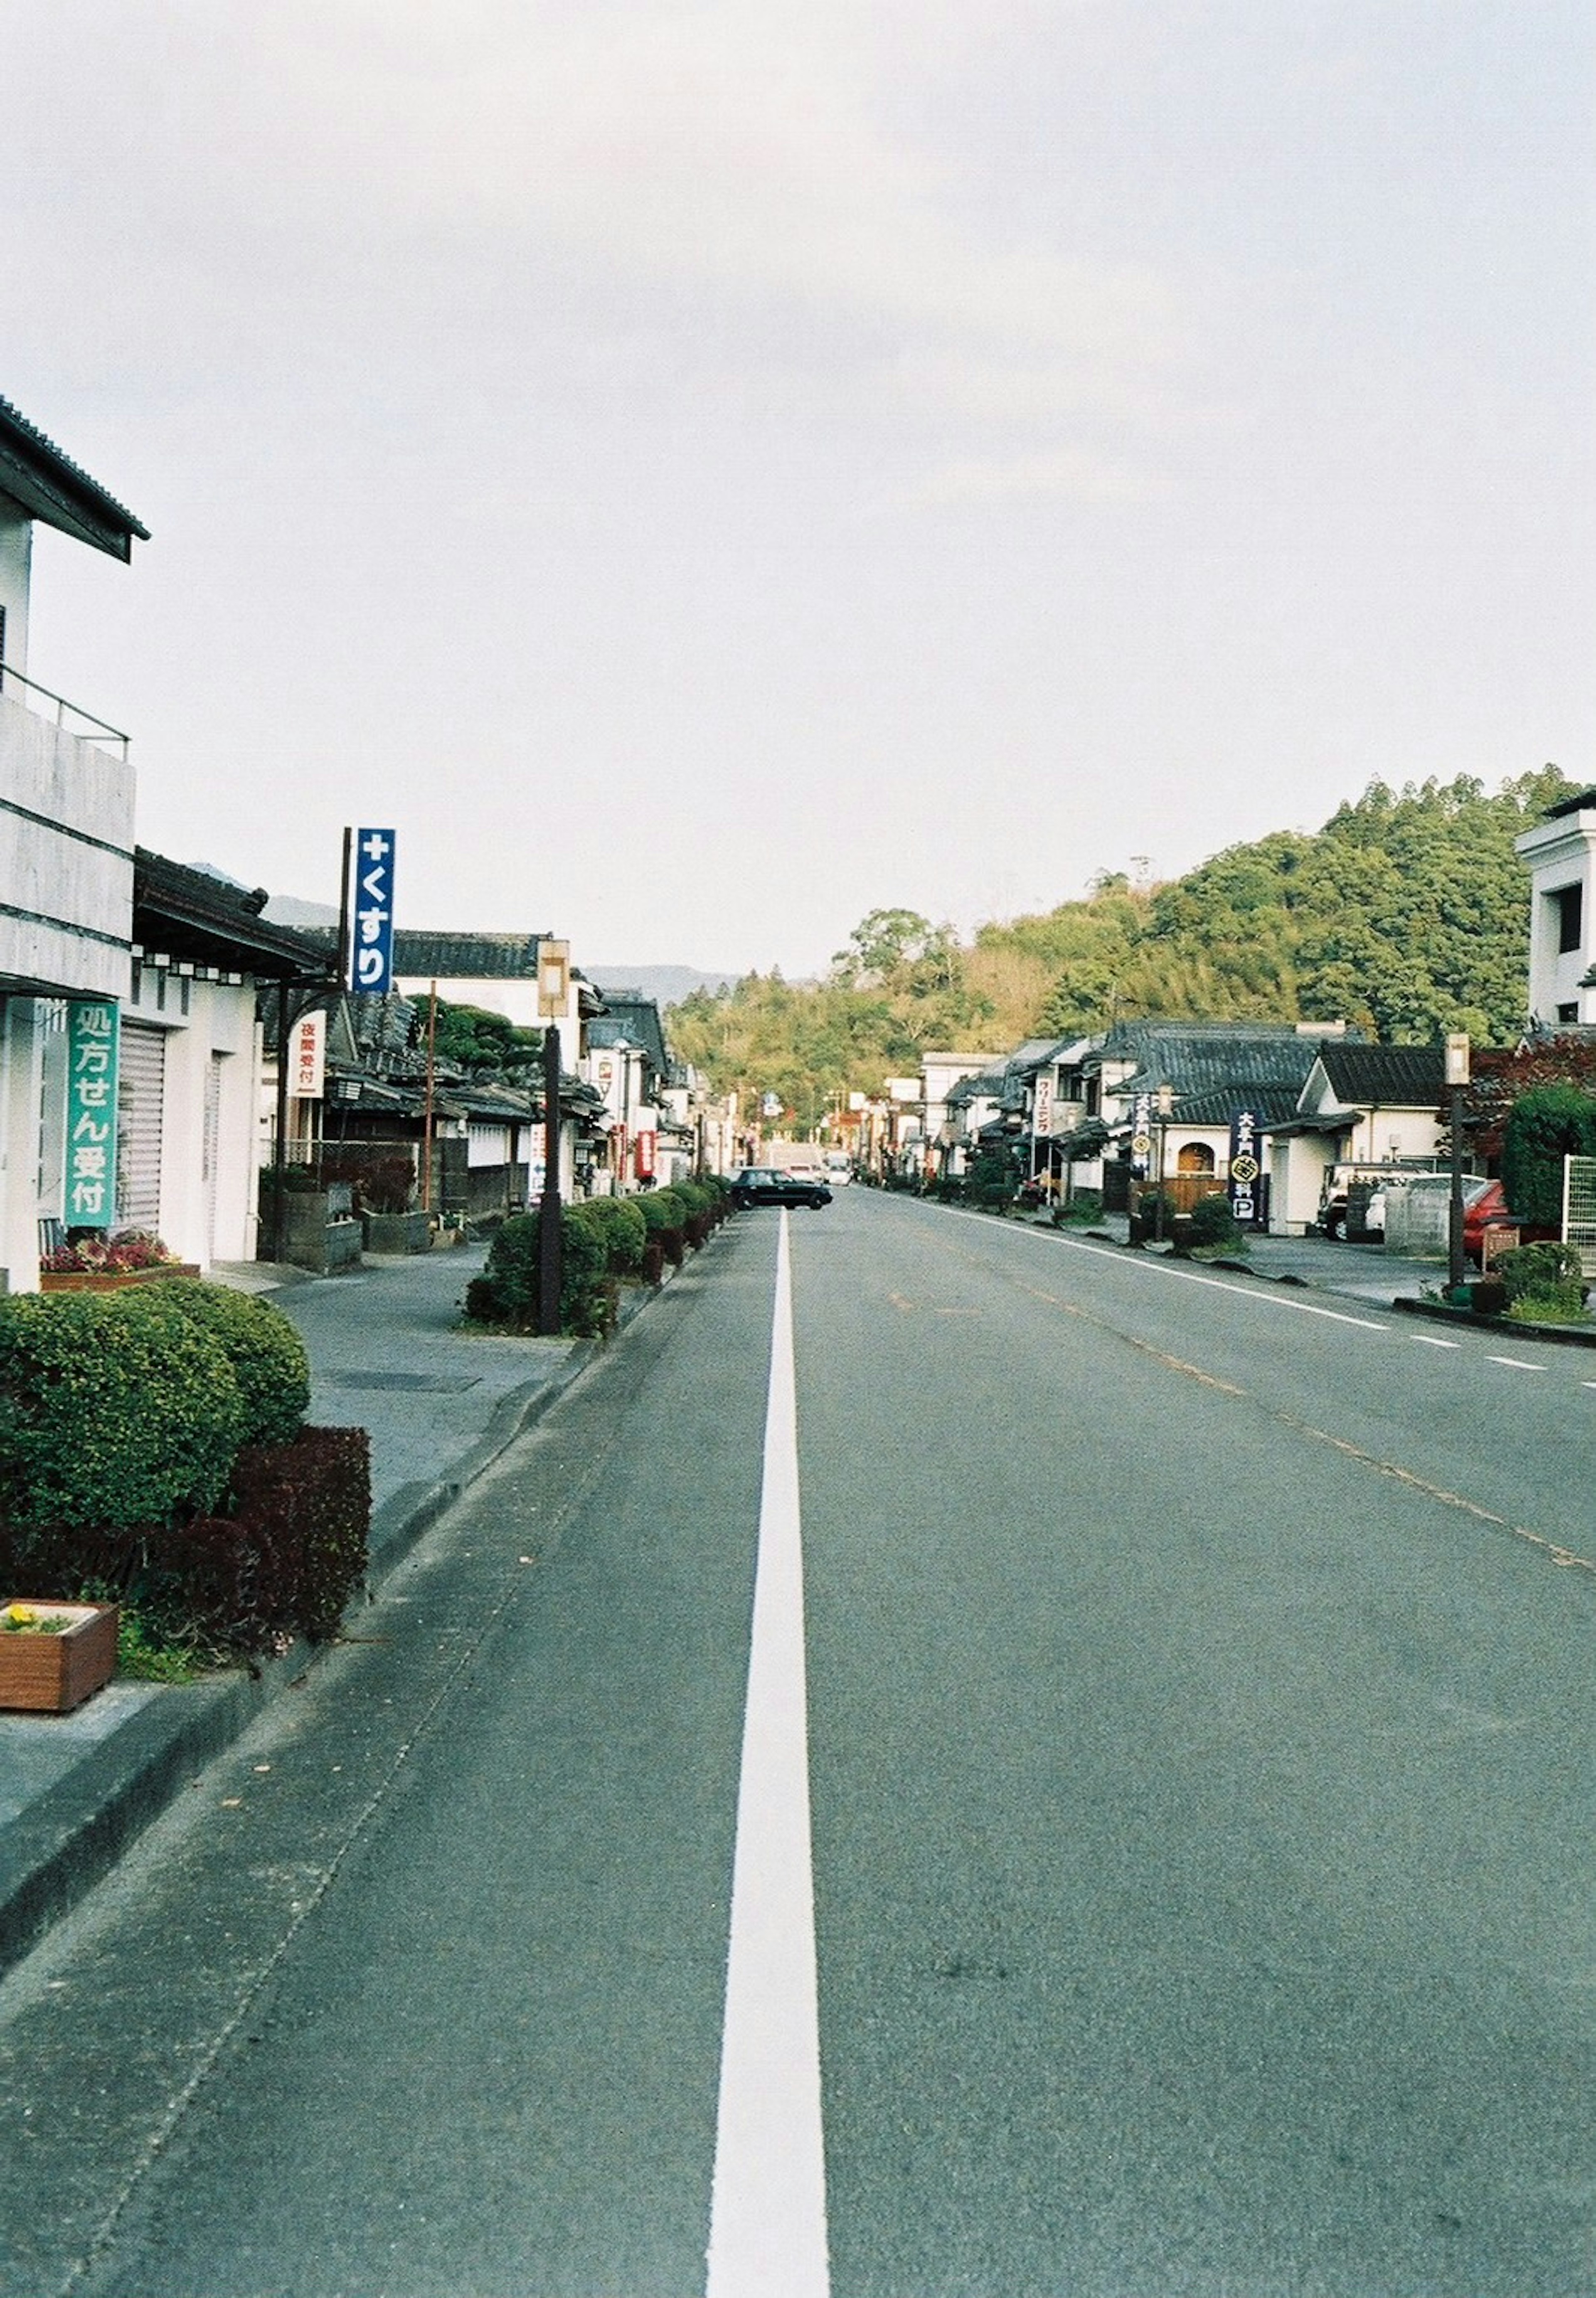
{"x": 138, "y": 1125}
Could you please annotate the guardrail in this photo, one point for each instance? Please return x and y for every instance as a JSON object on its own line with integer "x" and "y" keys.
{"x": 94, "y": 730}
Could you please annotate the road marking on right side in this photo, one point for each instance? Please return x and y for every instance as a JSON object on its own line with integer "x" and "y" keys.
{"x": 1430, "y": 1341}
{"x": 1516, "y": 1364}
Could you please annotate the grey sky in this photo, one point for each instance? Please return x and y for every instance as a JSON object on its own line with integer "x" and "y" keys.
{"x": 705, "y": 471}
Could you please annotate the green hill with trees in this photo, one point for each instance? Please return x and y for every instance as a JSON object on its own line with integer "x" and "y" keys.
{"x": 1407, "y": 914}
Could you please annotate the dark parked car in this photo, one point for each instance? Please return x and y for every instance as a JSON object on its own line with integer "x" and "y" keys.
{"x": 768, "y": 1184}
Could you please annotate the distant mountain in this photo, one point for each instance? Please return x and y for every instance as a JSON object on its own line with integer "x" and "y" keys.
{"x": 283, "y": 910}
{"x": 666, "y": 985}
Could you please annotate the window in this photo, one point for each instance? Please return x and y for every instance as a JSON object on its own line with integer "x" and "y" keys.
{"x": 1568, "y": 904}
{"x": 1568, "y": 1012}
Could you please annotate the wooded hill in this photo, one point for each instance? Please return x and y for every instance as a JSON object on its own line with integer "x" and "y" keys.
{"x": 1407, "y": 914}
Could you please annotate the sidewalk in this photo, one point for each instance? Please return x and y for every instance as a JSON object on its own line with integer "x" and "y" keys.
{"x": 440, "y": 1405}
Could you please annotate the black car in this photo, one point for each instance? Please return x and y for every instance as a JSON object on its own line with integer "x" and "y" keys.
{"x": 768, "y": 1184}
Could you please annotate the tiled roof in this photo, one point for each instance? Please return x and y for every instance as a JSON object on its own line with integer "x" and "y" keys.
{"x": 50, "y": 486}
{"x": 1385, "y": 1077}
{"x": 636, "y": 1018}
{"x": 1269, "y": 1105}
{"x": 420, "y": 955}
{"x": 194, "y": 914}
{"x": 1210, "y": 1059}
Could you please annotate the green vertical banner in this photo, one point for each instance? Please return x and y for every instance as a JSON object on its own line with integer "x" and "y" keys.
{"x": 94, "y": 1042}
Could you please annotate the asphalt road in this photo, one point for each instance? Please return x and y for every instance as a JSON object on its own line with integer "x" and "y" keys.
{"x": 1199, "y": 1731}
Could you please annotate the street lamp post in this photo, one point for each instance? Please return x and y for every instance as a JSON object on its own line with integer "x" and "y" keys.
{"x": 1457, "y": 1077}
{"x": 1166, "y": 1106}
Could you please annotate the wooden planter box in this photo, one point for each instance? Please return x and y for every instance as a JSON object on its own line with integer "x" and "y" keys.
{"x": 110, "y": 1280}
{"x": 51, "y": 1675}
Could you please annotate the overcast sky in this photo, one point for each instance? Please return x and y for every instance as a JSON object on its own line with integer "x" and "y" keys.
{"x": 703, "y": 472}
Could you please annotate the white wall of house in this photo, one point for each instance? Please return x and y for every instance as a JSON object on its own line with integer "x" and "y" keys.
{"x": 1561, "y": 856}
{"x": 209, "y": 1112}
{"x": 1297, "y": 1164}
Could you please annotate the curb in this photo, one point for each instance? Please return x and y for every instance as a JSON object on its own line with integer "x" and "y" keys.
{"x": 1561, "y": 1337}
{"x": 55, "y": 1851}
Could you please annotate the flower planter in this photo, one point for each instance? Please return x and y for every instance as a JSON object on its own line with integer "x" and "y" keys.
{"x": 110, "y": 1280}
{"x": 51, "y": 1673}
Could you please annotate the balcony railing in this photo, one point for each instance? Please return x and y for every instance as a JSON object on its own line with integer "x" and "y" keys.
{"x": 92, "y": 729}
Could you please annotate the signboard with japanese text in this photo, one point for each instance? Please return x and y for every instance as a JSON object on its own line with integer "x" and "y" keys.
{"x": 94, "y": 1042}
{"x": 1245, "y": 1167}
{"x": 1042, "y": 1117}
{"x": 1141, "y": 1136}
{"x": 371, "y": 954}
{"x": 307, "y": 1057}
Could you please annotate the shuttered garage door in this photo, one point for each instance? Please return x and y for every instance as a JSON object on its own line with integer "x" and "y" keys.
{"x": 138, "y": 1127}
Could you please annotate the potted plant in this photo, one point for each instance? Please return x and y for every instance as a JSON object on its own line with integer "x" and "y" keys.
{"x": 54, "y": 1655}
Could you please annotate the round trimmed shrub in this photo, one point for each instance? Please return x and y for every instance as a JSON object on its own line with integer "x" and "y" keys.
{"x": 624, "y": 1230}
{"x": 507, "y": 1291}
{"x": 1213, "y": 1222}
{"x": 115, "y": 1409}
{"x": 266, "y": 1355}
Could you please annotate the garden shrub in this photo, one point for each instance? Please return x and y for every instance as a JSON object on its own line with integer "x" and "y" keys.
{"x": 991, "y": 1182}
{"x": 624, "y": 1230}
{"x": 280, "y": 1555}
{"x": 666, "y": 1217}
{"x": 1211, "y": 1223}
{"x": 1544, "y": 1125}
{"x": 266, "y": 1355}
{"x": 1085, "y": 1205}
{"x": 283, "y": 1561}
{"x": 1545, "y": 1280}
{"x": 116, "y": 1409}
{"x": 507, "y": 1291}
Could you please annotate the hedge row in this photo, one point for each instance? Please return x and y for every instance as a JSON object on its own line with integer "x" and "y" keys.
{"x": 604, "y": 1241}
{"x": 151, "y": 1451}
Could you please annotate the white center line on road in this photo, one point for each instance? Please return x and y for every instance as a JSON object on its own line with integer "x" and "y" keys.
{"x": 1430, "y": 1341}
{"x": 1516, "y": 1364}
{"x": 767, "y": 2237}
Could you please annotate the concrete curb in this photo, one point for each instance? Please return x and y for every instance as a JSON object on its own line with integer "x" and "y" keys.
{"x": 56, "y": 1850}
{"x": 1518, "y": 1328}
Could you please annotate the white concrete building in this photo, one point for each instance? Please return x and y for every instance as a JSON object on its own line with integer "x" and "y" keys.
{"x": 1561, "y": 856}
{"x": 66, "y": 836}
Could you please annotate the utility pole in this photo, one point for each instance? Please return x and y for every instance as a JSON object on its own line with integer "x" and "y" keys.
{"x": 554, "y": 1000}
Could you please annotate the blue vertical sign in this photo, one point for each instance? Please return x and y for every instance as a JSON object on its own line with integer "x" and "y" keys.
{"x": 93, "y": 1041}
{"x": 371, "y": 958}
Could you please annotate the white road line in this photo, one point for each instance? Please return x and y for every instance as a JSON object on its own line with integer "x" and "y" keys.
{"x": 1189, "y": 1277}
{"x": 767, "y": 2234}
{"x": 1430, "y": 1341}
{"x": 1516, "y": 1363}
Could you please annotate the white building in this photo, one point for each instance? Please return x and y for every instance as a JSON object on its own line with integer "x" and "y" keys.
{"x": 1561, "y": 856}
{"x": 66, "y": 835}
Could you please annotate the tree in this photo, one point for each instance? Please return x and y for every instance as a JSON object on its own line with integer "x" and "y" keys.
{"x": 1544, "y": 1125}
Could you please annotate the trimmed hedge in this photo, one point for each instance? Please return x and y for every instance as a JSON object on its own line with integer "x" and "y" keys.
{"x": 666, "y": 1213}
{"x": 266, "y": 1355}
{"x": 624, "y": 1230}
{"x": 507, "y": 1291}
{"x": 1544, "y": 1125}
{"x": 280, "y": 1556}
{"x": 116, "y": 1409}
{"x": 288, "y": 1558}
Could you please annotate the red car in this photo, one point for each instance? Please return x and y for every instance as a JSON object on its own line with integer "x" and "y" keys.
{"x": 1485, "y": 1206}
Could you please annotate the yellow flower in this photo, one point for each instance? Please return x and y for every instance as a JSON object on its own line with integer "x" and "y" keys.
{"x": 18, "y": 1615}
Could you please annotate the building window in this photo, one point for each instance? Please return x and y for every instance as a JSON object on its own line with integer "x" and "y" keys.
{"x": 1568, "y": 1012}
{"x": 1568, "y": 902}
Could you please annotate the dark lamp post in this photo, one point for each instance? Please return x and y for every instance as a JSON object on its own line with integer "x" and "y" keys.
{"x": 1457, "y": 1079}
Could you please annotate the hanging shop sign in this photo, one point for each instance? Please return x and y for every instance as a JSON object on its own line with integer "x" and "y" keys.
{"x": 93, "y": 1043}
{"x": 371, "y": 958}
{"x": 307, "y": 1057}
{"x": 1141, "y": 1134}
{"x": 1245, "y": 1167}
